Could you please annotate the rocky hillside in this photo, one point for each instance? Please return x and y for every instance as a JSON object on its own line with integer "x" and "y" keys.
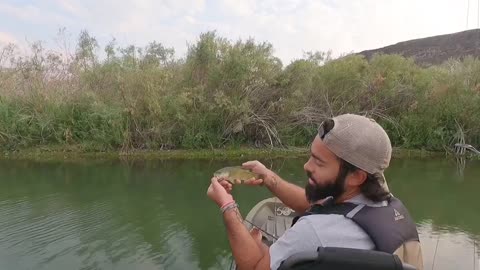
{"x": 434, "y": 50}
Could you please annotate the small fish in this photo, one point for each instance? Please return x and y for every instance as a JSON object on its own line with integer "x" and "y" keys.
{"x": 235, "y": 174}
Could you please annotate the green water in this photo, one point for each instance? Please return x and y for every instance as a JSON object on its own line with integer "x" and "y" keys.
{"x": 155, "y": 215}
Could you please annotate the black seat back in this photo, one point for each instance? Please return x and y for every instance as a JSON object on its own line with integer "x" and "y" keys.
{"x": 332, "y": 258}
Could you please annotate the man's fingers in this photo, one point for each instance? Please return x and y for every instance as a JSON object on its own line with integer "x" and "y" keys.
{"x": 215, "y": 183}
{"x": 258, "y": 182}
{"x": 221, "y": 183}
{"x": 254, "y": 182}
{"x": 214, "y": 179}
{"x": 256, "y": 234}
{"x": 249, "y": 164}
{"x": 225, "y": 183}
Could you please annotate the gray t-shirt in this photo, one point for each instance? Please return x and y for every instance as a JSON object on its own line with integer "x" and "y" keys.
{"x": 313, "y": 231}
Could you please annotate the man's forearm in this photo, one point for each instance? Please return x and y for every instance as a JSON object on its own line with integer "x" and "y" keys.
{"x": 290, "y": 194}
{"x": 245, "y": 249}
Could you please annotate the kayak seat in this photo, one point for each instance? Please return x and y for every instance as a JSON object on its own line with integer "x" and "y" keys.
{"x": 333, "y": 258}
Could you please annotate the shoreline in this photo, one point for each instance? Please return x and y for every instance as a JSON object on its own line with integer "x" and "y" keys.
{"x": 47, "y": 153}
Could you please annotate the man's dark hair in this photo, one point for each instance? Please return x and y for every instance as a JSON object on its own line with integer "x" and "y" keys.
{"x": 371, "y": 188}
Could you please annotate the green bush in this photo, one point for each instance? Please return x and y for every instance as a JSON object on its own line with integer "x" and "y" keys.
{"x": 225, "y": 93}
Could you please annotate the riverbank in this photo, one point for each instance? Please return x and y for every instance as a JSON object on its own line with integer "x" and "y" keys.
{"x": 72, "y": 153}
{"x": 225, "y": 94}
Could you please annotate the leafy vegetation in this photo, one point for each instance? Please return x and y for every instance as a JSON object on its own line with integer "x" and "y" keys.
{"x": 224, "y": 94}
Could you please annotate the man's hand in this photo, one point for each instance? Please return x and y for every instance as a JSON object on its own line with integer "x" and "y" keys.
{"x": 267, "y": 176}
{"x": 218, "y": 193}
{"x": 226, "y": 184}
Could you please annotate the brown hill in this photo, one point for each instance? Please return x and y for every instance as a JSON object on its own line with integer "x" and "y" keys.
{"x": 435, "y": 50}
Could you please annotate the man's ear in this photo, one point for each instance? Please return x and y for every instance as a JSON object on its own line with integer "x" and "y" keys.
{"x": 356, "y": 178}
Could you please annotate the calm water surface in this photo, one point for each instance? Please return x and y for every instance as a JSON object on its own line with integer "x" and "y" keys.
{"x": 155, "y": 215}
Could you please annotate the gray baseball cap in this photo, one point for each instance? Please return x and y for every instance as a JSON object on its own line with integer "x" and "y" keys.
{"x": 360, "y": 141}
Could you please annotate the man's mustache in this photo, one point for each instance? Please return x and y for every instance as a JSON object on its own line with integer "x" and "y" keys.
{"x": 309, "y": 174}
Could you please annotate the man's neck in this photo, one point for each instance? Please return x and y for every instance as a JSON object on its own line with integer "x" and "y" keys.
{"x": 348, "y": 195}
{"x": 343, "y": 198}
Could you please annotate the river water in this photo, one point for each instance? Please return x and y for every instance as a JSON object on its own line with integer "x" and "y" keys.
{"x": 156, "y": 215}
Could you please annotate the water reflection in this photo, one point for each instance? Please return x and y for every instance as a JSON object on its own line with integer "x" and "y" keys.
{"x": 448, "y": 248}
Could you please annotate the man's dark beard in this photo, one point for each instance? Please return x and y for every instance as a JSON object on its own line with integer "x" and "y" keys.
{"x": 317, "y": 192}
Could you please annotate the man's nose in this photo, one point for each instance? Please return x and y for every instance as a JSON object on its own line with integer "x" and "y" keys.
{"x": 306, "y": 165}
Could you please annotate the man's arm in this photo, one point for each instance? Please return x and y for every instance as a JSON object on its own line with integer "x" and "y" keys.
{"x": 290, "y": 194}
{"x": 248, "y": 253}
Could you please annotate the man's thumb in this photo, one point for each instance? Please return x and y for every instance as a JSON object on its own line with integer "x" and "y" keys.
{"x": 215, "y": 183}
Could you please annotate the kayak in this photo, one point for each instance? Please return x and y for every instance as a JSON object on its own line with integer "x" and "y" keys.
{"x": 271, "y": 217}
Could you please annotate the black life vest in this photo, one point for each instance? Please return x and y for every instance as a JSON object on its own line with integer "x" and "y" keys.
{"x": 389, "y": 226}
